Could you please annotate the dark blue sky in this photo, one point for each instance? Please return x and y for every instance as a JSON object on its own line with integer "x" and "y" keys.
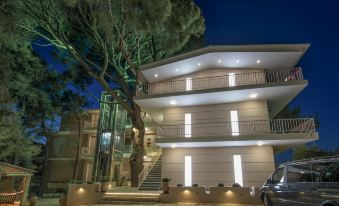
{"x": 289, "y": 21}
{"x": 281, "y": 21}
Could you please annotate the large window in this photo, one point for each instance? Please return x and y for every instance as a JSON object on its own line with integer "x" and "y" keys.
{"x": 188, "y": 125}
{"x": 237, "y": 169}
{"x": 234, "y": 123}
{"x": 231, "y": 79}
{"x": 188, "y": 171}
{"x": 278, "y": 176}
{"x": 188, "y": 84}
{"x": 299, "y": 173}
{"x": 326, "y": 172}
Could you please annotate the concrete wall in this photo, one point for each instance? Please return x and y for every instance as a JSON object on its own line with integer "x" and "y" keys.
{"x": 216, "y": 119}
{"x": 247, "y": 111}
{"x": 211, "y": 166}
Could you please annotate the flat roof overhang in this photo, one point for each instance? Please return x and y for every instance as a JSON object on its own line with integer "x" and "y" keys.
{"x": 277, "y": 94}
{"x": 283, "y": 140}
{"x": 271, "y": 56}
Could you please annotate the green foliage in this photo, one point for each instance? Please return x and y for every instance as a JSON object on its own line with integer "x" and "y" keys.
{"x": 289, "y": 112}
{"x": 305, "y": 152}
{"x": 111, "y": 39}
{"x": 166, "y": 179}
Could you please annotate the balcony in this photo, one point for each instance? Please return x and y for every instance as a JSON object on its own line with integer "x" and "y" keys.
{"x": 86, "y": 126}
{"x": 225, "y": 81}
{"x": 242, "y": 133}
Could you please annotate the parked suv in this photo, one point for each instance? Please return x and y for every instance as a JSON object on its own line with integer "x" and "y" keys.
{"x": 305, "y": 182}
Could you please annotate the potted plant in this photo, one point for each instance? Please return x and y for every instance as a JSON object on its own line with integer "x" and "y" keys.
{"x": 165, "y": 185}
{"x": 63, "y": 198}
{"x": 105, "y": 181}
{"x": 195, "y": 185}
{"x": 220, "y": 185}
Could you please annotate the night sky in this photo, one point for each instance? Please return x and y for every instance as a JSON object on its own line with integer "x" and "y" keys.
{"x": 276, "y": 22}
{"x": 289, "y": 21}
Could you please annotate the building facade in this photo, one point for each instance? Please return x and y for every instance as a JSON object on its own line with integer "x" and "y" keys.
{"x": 215, "y": 110}
{"x": 211, "y": 111}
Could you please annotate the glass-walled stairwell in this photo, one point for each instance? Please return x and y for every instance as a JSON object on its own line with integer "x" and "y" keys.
{"x": 110, "y": 140}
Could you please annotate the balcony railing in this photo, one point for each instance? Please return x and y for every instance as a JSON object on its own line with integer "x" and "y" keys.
{"x": 230, "y": 80}
{"x": 275, "y": 126}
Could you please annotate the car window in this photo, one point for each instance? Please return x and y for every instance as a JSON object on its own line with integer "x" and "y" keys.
{"x": 278, "y": 175}
{"x": 326, "y": 172}
{"x": 299, "y": 173}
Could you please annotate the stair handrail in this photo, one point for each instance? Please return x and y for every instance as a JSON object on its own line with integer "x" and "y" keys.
{"x": 143, "y": 174}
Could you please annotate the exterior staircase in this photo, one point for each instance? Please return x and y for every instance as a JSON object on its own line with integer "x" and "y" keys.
{"x": 152, "y": 182}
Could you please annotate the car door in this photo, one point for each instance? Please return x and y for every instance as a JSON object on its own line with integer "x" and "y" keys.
{"x": 326, "y": 181}
{"x": 299, "y": 185}
{"x": 277, "y": 187}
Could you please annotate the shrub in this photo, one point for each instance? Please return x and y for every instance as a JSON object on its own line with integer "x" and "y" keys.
{"x": 220, "y": 185}
{"x": 195, "y": 185}
{"x": 236, "y": 185}
{"x": 166, "y": 179}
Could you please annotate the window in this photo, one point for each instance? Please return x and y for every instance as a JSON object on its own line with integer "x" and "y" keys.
{"x": 237, "y": 169}
{"x": 188, "y": 84}
{"x": 188, "y": 171}
{"x": 299, "y": 173}
{"x": 278, "y": 176}
{"x": 188, "y": 125}
{"x": 234, "y": 123}
{"x": 326, "y": 172}
{"x": 231, "y": 79}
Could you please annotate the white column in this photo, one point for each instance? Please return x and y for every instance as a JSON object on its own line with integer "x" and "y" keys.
{"x": 234, "y": 123}
{"x": 188, "y": 171}
{"x": 231, "y": 79}
{"x": 188, "y": 125}
{"x": 237, "y": 169}
{"x": 188, "y": 84}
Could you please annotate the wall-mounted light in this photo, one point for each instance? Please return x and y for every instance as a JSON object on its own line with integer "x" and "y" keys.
{"x": 254, "y": 95}
{"x": 155, "y": 75}
{"x": 258, "y": 61}
{"x": 173, "y": 102}
{"x": 259, "y": 143}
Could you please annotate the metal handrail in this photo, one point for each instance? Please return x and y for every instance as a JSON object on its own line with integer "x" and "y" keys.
{"x": 147, "y": 168}
{"x": 275, "y": 126}
{"x": 251, "y": 78}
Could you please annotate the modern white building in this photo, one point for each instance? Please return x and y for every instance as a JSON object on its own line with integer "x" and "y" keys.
{"x": 214, "y": 111}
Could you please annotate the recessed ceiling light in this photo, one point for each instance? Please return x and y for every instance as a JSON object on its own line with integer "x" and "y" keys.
{"x": 173, "y": 146}
{"x": 173, "y": 102}
{"x": 176, "y": 70}
{"x": 155, "y": 75}
{"x": 254, "y": 95}
{"x": 258, "y": 61}
{"x": 237, "y": 60}
{"x": 199, "y": 64}
{"x": 259, "y": 143}
{"x": 219, "y": 61}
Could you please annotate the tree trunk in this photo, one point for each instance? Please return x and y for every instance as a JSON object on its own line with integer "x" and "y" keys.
{"x": 78, "y": 148}
{"x": 136, "y": 159}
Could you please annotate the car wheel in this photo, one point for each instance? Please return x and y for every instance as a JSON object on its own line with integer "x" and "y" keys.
{"x": 267, "y": 200}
